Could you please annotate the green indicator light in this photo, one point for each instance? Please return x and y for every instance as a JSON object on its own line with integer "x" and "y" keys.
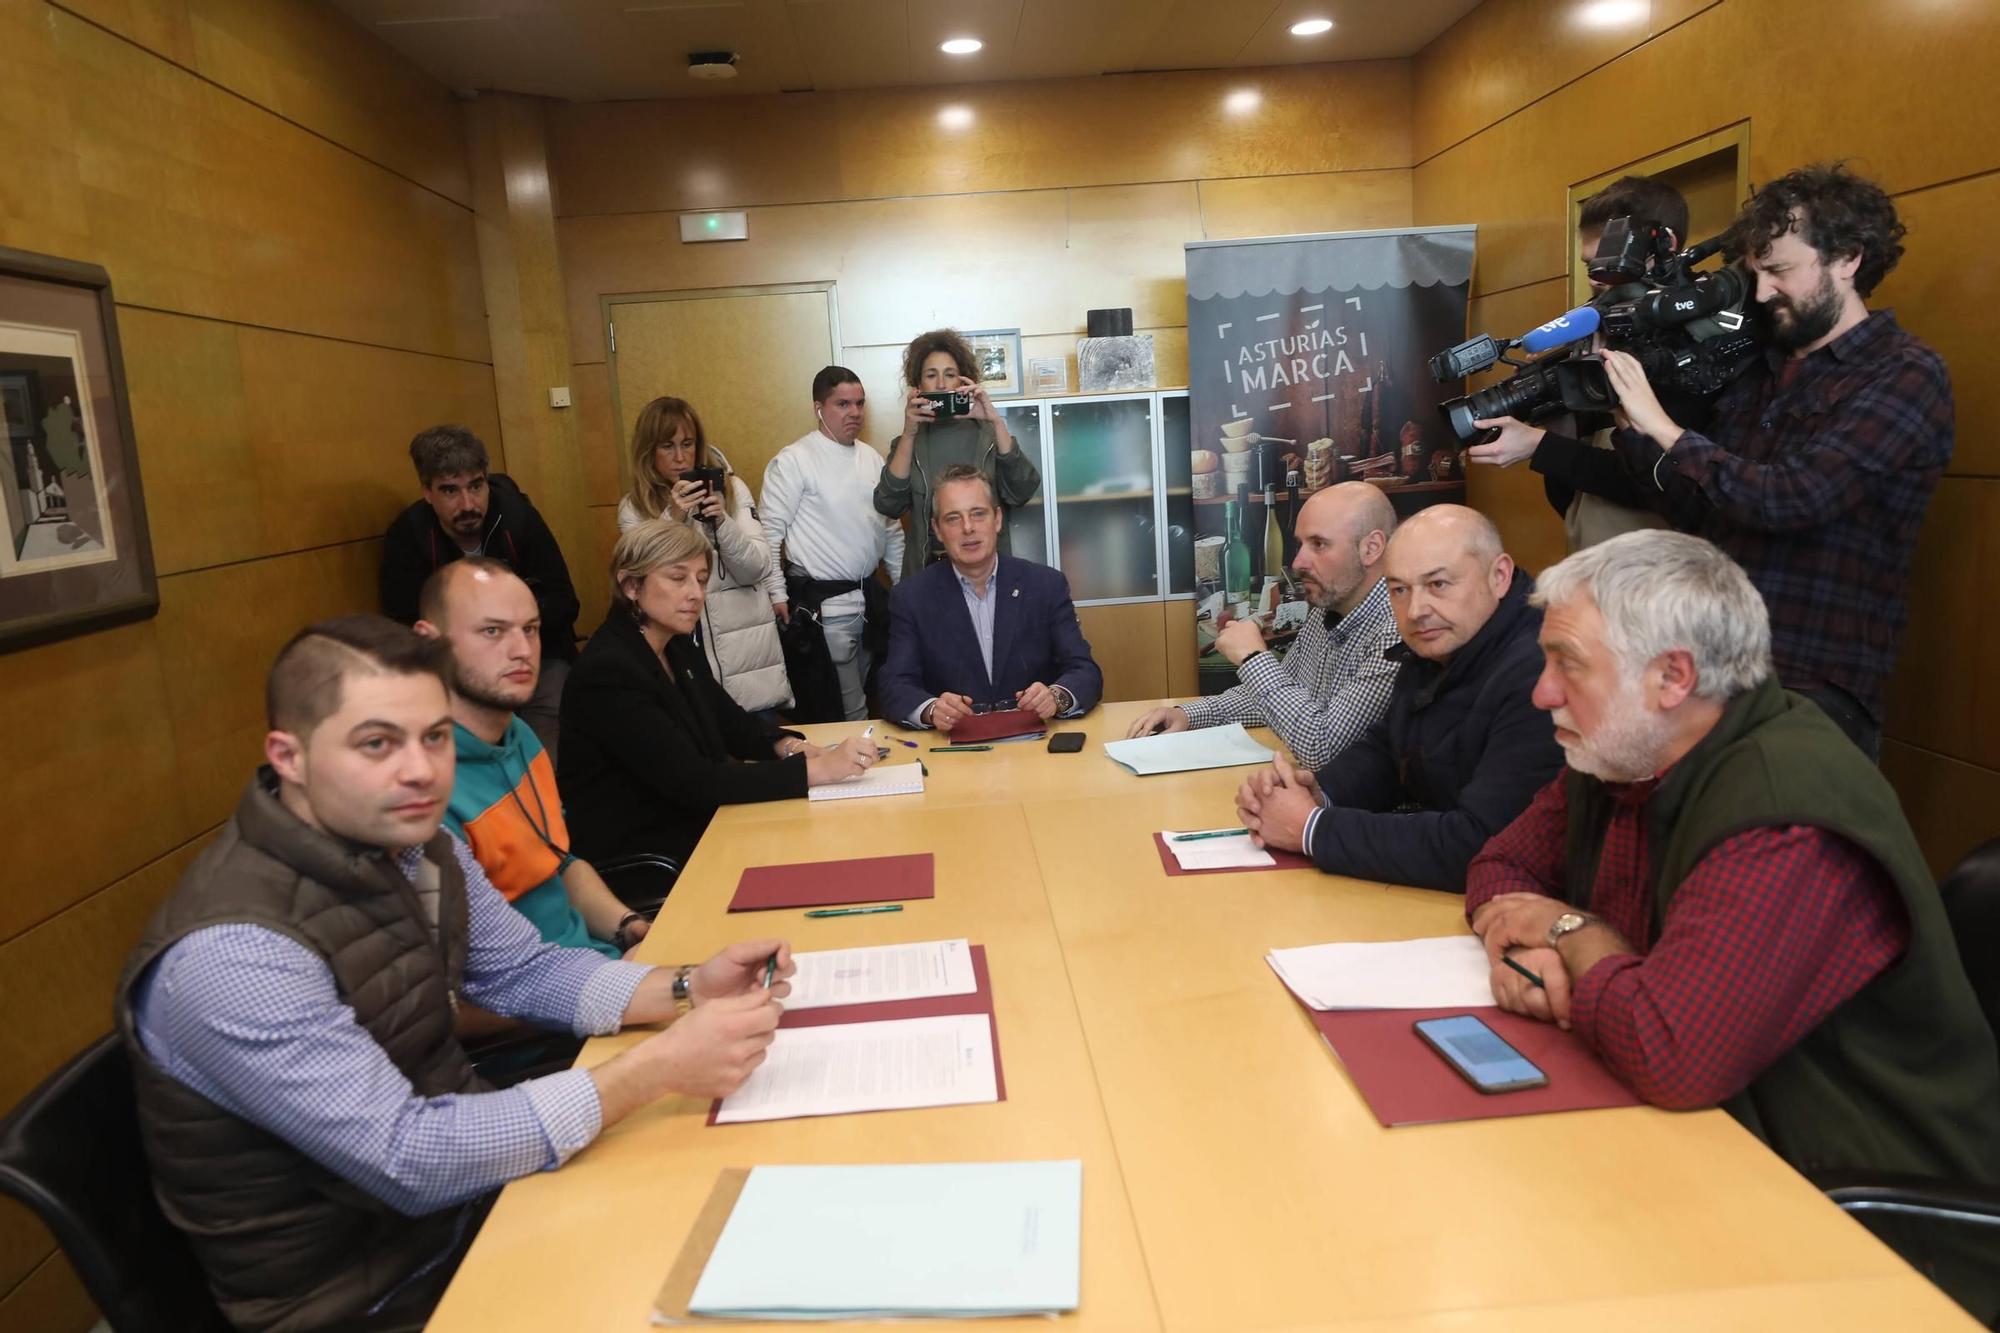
{"x": 714, "y": 223}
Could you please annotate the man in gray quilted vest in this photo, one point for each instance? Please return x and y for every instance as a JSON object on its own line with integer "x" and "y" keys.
{"x": 312, "y": 1123}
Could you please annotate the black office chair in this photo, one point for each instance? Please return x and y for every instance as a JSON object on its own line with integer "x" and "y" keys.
{"x": 70, "y": 1151}
{"x": 1888, "y": 1203}
{"x": 642, "y": 880}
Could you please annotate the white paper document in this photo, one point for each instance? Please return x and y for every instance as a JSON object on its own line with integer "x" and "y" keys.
{"x": 1234, "y": 852}
{"x": 1182, "y": 751}
{"x": 946, "y": 1240}
{"x": 1445, "y": 972}
{"x": 881, "y": 972}
{"x": 881, "y": 780}
{"x": 888, "y": 1066}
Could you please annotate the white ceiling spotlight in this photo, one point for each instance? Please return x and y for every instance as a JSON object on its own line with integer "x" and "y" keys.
{"x": 1311, "y": 27}
{"x": 961, "y": 46}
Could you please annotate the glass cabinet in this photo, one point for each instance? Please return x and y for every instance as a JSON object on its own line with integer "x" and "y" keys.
{"x": 1115, "y": 512}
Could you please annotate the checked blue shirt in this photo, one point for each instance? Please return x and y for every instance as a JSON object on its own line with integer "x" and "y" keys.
{"x": 1332, "y": 685}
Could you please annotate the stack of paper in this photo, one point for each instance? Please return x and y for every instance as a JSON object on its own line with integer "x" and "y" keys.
{"x": 948, "y": 1240}
{"x": 881, "y": 973}
{"x": 1234, "y": 852}
{"x": 894, "y": 1065}
{"x": 882, "y": 780}
{"x": 1182, "y": 751}
{"x": 1448, "y": 972}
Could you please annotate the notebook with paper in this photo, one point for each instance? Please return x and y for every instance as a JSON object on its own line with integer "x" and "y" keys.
{"x": 937, "y": 1240}
{"x": 1185, "y": 751}
{"x": 881, "y": 780}
{"x": 1434, "y": 973}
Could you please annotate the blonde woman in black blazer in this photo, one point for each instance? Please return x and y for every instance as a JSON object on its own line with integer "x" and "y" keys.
{"x": 652, "y": 746}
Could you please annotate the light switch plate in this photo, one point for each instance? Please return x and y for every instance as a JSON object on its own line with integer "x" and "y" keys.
{"x": 559, "y": 397}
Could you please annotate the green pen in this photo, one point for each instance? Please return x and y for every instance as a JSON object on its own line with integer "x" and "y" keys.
{"x": 855, "y": 911}
{"x": 770, "y": 970}
{"x": 958, "y": 749}
{"x": 1522, "y": 970}
{"x": 1212, "y": 833}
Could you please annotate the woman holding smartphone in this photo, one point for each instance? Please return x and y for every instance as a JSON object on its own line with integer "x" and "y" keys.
{"x": 681, "y": 478}
{"x": 937, "y": 435}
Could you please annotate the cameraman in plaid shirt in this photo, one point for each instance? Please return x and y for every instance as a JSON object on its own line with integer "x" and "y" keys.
{"x": 1334, "y": 683}
{"x": 1819, "y": 463}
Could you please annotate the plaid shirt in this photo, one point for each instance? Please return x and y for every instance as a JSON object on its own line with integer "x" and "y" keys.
{"x": 1816, "y": 483}
{"x": 1332, "y": 685}
{"x": 1771, "y": 931}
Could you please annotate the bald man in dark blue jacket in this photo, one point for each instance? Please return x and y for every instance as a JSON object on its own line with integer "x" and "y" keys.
{"x": 1462, "y": 750}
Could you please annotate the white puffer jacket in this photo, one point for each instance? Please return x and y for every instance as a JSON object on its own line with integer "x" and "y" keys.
{"x": 738, "y": 630}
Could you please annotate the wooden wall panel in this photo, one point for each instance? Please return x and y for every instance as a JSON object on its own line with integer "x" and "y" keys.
{"x": 1942, "y": 697}
{"x": 82, "y": 950}
{"x": 215, "y": 656}
{"x": 259, "y": 442}
{"x": 1950, "y": 804}
{"x": 310, "y": 64}
{"x": 1506, "y": 53}
{"x": 1128, "y": 643}
{"x": 1945, "y": 290}
{"x": 600, "y": 441}
{"x": 1183, "y": 675}
{"x": 278, "y": 202}
{"x": 1323, "y": 201}
{"x": 743, "y": 152}
{"x": 88, "y": 734}
{"x": 591, "y": 574}
{"x": 200, "y": 202}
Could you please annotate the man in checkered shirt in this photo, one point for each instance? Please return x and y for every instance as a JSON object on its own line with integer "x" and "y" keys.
{"x": 1334, "y": 683}
{"x": 312, "y": 1123}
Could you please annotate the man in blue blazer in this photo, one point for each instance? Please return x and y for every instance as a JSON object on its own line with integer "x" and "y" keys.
{"x": 980, "y": 629}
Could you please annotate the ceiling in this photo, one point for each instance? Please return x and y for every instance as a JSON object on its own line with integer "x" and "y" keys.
{"x": 606, "y": 50}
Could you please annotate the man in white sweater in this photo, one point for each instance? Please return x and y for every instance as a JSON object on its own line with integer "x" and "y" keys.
{"x": 819, "y": 514}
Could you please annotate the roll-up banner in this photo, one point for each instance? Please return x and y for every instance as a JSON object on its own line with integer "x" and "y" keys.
{"x": 1307, "y": 367}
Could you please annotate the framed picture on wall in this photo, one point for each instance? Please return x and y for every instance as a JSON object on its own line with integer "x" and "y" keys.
{"x": 998, "y": 352}
{"x": 75, "y": 554}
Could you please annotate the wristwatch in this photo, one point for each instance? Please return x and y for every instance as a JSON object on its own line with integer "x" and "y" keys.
{"x": 683, "y": 993}
{"x": 1065, "y": 701}
{"x": 1567, "y": 922}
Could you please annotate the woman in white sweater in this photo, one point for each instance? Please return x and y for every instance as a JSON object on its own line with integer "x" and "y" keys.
{"x": 674, "y": 477}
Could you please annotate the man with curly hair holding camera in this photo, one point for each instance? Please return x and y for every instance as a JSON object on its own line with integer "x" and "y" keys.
{"x": 1820, "y": 460}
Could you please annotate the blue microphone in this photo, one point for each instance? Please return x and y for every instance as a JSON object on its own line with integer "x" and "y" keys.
{"x": 1562, "y": 330}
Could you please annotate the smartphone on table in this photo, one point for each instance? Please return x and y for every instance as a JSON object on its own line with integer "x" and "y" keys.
{"x": 1066, "y": 742}
{"x": 1479, "y": 1054}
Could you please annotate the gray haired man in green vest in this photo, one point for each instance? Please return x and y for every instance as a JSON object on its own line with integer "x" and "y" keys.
{"x": 1720, "y": 894}
{"x": 312, "y": 1123}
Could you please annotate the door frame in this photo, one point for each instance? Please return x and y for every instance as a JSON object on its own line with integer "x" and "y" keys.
{"x": 607, "y": 309}
{"x": 1732, "y": 136}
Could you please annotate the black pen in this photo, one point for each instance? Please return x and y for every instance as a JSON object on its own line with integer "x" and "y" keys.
{"x": 1509, "y": 961}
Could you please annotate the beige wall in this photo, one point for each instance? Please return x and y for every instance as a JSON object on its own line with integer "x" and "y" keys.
{"x": 1903, "y": 90}
{"x": 285, "y": 212}
{"x": 1054, "y": 198}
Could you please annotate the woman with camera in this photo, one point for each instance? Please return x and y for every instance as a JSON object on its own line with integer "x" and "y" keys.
{"x": 651, "y": 747}
{"x": 947, "y": 419}
{"x": 678, "y": 476}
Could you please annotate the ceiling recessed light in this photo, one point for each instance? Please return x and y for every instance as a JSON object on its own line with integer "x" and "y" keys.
{"x": 1243, "y": 101}
{"x": 961, "y": 46}
{"x": 1612, "y": 13}
{"x": 1311, "y": 27}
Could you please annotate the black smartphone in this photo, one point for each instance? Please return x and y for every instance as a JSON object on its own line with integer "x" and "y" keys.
{"x": 1479, "y": 1054}
{"x": 950, "y": 403}
{"x": 709, "y": 477}
{"x": 1066, "y": 742}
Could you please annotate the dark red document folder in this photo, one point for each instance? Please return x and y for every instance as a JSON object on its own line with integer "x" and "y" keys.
{"x": 866, "y": 879}
{"x": 936, "y": 1006}
{"x": 1407, "y": 1083}
{"x": 1283, "y": 861}
{"x": 983, "y": 727}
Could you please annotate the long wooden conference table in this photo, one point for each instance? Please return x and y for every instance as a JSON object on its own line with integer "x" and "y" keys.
{"x": 1233, "y": 1177}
